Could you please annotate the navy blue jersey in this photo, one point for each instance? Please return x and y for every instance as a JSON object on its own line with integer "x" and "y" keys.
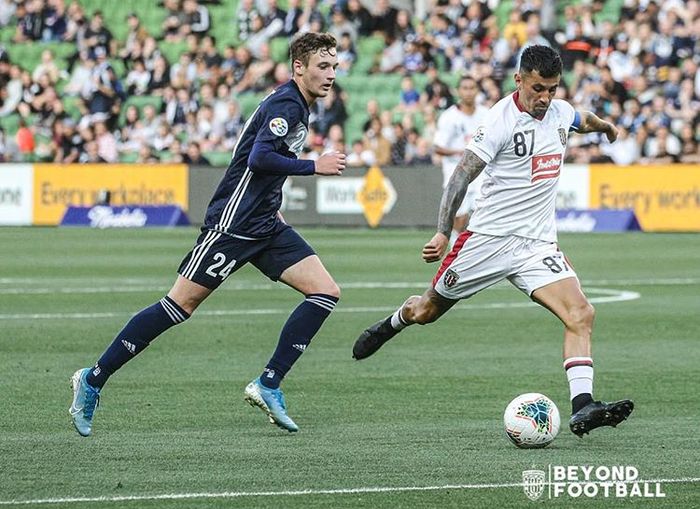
{"x": 248, "y": 198}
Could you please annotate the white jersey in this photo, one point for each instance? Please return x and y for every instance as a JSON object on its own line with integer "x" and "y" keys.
{"x": 454, "y": 131}
{"x": 524, "y": 157}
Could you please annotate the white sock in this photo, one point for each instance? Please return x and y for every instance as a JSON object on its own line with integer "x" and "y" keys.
{"x": 397, "y": 321}
{"x": 579, "y": 372}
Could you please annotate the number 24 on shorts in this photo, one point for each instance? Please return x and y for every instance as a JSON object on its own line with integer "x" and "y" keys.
{"x": 219, "y": 260}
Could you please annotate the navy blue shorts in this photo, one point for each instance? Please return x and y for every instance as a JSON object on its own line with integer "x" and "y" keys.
{"x": 216, "y": 255}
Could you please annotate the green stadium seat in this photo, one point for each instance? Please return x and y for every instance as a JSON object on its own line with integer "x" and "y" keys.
{"x": 128, "y": 157}
{"x": 279, "y": 49}
{"x": 218, "y": 158}
{"x": 172, "y": 50}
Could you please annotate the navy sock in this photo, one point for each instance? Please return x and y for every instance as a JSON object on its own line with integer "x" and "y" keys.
{"x": 136, "y": 335}
{"x": 301, "y": 326}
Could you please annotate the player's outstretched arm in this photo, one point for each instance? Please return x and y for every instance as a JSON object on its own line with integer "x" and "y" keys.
{"x": 592, "y": 123}
{"x": 468, "y": 168}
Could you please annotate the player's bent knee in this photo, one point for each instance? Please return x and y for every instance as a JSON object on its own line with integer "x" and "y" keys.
{"x": 581, "y": 317}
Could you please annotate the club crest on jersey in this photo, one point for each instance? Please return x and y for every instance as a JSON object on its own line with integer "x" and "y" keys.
{"x": 562, "y": 136}
{"x": 451, "y": 278}
{"x": 279, "y": 126}
{"x": 479, "y": 134}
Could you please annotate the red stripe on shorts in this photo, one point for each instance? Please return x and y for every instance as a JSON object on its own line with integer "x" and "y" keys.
{"x": 461, "y": 240}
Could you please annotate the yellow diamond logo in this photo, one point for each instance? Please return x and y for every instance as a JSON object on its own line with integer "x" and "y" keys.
{"x": 377, "y": 196}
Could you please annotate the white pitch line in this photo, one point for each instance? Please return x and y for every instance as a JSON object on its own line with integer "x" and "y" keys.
{"x": 295, "y": 493}
{"x": 136, "y": 286}
{"x": 609, "y": 295}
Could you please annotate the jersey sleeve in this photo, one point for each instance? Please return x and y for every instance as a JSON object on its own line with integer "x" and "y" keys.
{"x": 278, "y": 117}
{"x": 489, "y": 139}
{"x": 570, "y": 115}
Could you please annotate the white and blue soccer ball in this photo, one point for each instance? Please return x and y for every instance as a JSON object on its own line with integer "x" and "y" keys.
{"x": 531, "y": 421}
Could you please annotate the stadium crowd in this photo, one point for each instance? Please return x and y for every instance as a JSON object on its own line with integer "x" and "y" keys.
{"x": 636, "y": 63}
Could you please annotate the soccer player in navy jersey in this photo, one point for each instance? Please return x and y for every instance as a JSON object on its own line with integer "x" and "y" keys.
{"x": 242, "y": 225}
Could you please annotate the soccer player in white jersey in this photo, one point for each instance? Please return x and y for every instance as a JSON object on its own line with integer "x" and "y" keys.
{"x": 455, "y": 128}
{"x": 512, "y": 234}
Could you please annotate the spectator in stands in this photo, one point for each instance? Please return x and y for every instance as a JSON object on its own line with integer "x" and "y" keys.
{"x": 184, "y": 72}
{"x": 422, "y": 153}
{"x": 413, "y": 61}
{"x": 392, "y": 56}
{"x": 47, "y": 66}
{"x": 339, "y": 24}
{"x": 25, "y": 140}
{"x": 409, "y": 96}
{"x": 174, "y": 19}
{"x": 398, "y": 146}
{"x": 138, "y": 79}
{"x": 177, "y": 108}
{"x": 196, "y": 19}
{"x": 661, "y": 146}
{"x": 292, "y": 17}
{"x": 359, "y": 156}
{"x": 231, "y": 127}
{"x": 91, "y": 154}
{"x": 135, "y": 37}
{"x": 98, "y": 38}
{"x": 690, "y": 149}
{"x": 360, "y": 17}
{"x": 404, "y": 27}
{"x": 150, "y": 121}
{"x": 328, "y": 111}
{"x": 163, "y": 138}
{"x": 146, "y": 155}
{"x": 257, "y": 72}
{"x": 384, "y": 17}
{"x": 55, "y": 22}
{"x": 160, "y": 77}
{"x": 374, "y": 140}
{"x": 194, "y": 155}
{"x": 244, "y": 18}
{"x": 68, "y": 143}
{"x": 7, "y": 12}
{"x": 346, "y": 55}
{"x": 30, "y": 24}
{"x": 106, "y": 143}
{"x": 516, "y": 26}
{"x": 77, "y": 26}
{"x": 11, "y": 91}
{"x": 174, "y": 155}
{"x": 103, "y": 96}
{"x": 131, "y": 133}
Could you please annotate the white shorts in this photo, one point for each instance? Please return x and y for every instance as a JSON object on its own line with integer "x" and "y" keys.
{"x": 478, "y": 261}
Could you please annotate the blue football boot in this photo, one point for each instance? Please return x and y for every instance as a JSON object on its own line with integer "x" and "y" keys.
{"x": 86, "y": 398}
{"x": 270, "y": 401}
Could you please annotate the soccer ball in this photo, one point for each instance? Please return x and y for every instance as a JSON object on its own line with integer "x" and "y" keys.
{"x": 531, "y": 421}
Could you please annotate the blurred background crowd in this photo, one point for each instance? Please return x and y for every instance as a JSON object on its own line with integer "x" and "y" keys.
{"x": 174, "y": 81}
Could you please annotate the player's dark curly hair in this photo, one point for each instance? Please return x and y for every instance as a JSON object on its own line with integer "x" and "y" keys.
{"x": 309, "y": 43}
{"x": 542, "y": 59}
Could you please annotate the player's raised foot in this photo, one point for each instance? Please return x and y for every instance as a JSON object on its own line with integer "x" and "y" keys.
{"x": 372, "y": 339}
{"x": 270, "y": 401}
{"x": 598, "y": 413}
{"x": 86, "y": 398}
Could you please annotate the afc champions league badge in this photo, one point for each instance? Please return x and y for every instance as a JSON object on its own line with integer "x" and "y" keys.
{"x": 279, "y": 126}
{"x": 533, "y": 483}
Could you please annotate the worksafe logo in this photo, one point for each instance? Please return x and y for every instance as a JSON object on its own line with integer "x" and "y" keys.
{"x": 589, "y": 482}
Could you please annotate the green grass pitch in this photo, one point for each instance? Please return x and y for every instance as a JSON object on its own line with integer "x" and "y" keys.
{"x": 425, "y": 412}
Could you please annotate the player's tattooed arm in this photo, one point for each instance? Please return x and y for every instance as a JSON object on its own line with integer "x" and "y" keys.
{"x": 468, "y": 168}
{"x": 592, "y": 123}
